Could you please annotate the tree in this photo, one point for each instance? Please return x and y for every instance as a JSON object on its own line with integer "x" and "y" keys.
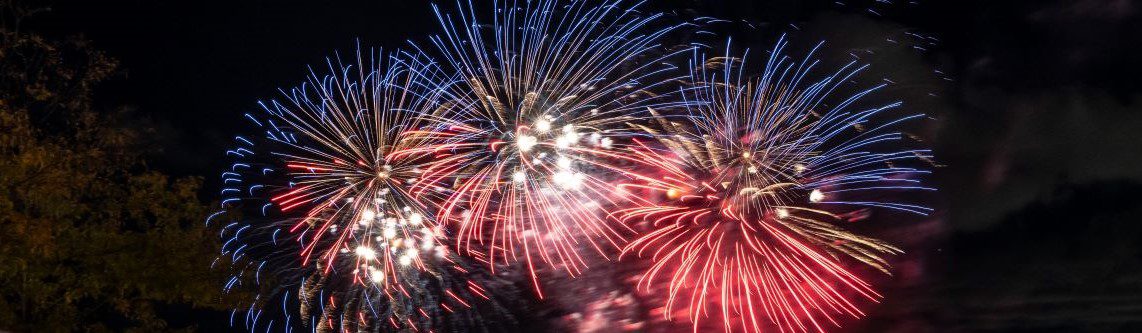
{"x": 90, "y": 238}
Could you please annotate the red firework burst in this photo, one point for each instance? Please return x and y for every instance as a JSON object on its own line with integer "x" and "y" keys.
{"x": 522, "y": 143}
{"x": 741, "y": 213}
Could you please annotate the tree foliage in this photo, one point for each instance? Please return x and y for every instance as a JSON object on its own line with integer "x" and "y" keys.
{"x": 90, "y": 238}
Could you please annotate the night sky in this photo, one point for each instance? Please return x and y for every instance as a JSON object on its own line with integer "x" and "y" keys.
{"x": 1036, "y": 115}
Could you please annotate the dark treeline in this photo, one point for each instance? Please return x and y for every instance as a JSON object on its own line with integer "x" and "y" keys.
{"x": 91, "y": 238}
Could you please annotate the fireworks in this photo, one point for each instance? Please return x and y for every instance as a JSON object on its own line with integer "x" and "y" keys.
{"x": 333, "y": 190}
{"x": 539, "y": 100}
{"x": 388, "y": 194}
{"x": 753, "y": 180}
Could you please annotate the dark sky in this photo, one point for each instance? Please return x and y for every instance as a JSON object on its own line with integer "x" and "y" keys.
{"x": 1037, "y": 117}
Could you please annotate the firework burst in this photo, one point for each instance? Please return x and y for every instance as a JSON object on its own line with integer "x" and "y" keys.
{"x": 385, "y": 195}
{"x": 754, "y": 178}
{"x": 326, "y": 208}
{"x": 534, "y": 112}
